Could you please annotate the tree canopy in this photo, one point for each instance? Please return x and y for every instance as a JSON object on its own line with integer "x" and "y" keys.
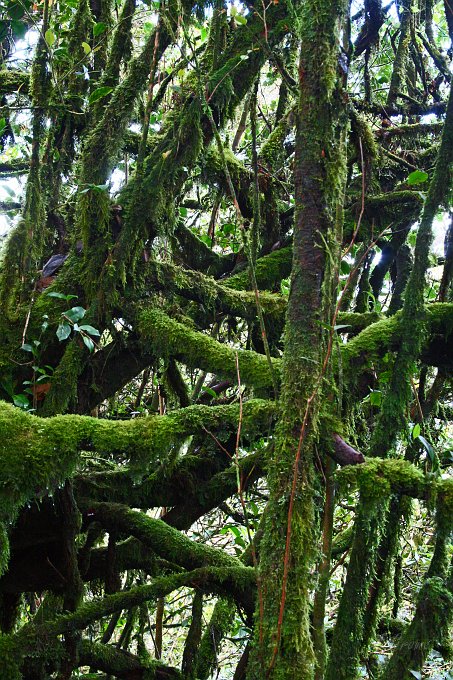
{"x": 226, "y": 339}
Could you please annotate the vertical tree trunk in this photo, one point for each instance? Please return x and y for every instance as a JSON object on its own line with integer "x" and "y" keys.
{"x": 283, "y": 646}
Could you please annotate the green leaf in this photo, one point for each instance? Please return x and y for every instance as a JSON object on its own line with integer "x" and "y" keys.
{"x": 61, "y": 296}
{"x": 16, "y": 10}
{"x": 63, "y": 331}
{"x": 60, "y": 53}
{"x": 86, "y": 48}
{"x": 417, "y": 177}
{"x": 99, "y": 28}
{"x": 427, "y": 446}
{"x": 21, "y": 400}
{"x": 210, "y": 391}
{"x": 240, "y": 19}
{"x": 98, "y": 93}
{"x": 75, "y": 314}
{"x": 90, "y": 330}
{"x": 345, "y": 267}
{"x": 2, "y": 125}
{"x": 375, "y": 398}
{"x": 416, "y": 431}
{"x": 27, "y": 348}
{"x": 88, "y": 342}
{"x": 50, "y": 37}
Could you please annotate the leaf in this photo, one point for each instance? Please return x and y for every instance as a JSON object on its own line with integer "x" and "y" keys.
{"x": 98, "y": 93}
{"x": 90, "y": 330}
{"x": 417, "y": 177}
{"x": 61, "y": 296}
{"x": 99, "y": 28}
{"x": 63, "y": 331}
{"x": 88, "y": 342}
{"x": 86, "y": 48}
{"x": 21, "y": 400}
{"x": 375, "y": 398}
{"x": 50, "y": 37}
{"x": 416, "y": 431}
{"x": 166, "y": 154}
{"x": 2, "y": 125}
{"x": 210, "y": 391}
{"x": 27, "y": 348}
{"x": 427, "y": 446}
{"x": 341, "y": 325}
{"x": 240, "y": 19}
{"x": 416, "y": 674}
{"x": 75, "y": 314}
{"x": 345, "y": 267}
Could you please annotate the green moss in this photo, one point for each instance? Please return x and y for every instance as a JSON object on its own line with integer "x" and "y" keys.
{"x": 220, "y": 622}
{"x": 39, "y": 453}
{"x": 269, "y": 271}
{"x": 378, "y": 478}
{"x": 272, "y": 152}
{"x": 13, "y": 80}
{"x": 171, "y": 338}
{"x": 430, "y": 624}
{"x": 10, "y": 659}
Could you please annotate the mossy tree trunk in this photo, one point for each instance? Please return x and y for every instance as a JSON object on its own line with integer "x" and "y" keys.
{"x": 283, "y": 646}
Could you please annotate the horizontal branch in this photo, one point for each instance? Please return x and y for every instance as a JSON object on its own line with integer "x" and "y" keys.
{"x": 39, "y": 453}
{"x": 197, "y": 350}
{"x": 183, "y": 488}
{"x": 379, "y": 477}
{"x": 29, "y": 640}
{"x": 162, "y": 539}
{"x": 385, "y": 335}
{"x": 15, "y": 167}
{"x": 12, "y": 81}
{"x": 215, "y": 296}
{"x": 121, "y": 664}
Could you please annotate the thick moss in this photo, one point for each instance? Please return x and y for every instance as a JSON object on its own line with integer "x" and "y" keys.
{"x": 269, "y": 271}
{"x": 171, "y": 338}
{"x": 378, "y": 478}
{"x": 39, "y": 454}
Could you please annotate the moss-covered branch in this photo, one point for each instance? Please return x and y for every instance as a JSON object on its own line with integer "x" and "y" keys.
{"x": 184, "y": 488}
{"x": 171, "y": 338}
{"x": 13, "y": 80}
{"x": 120, "y": 664}
{"x": 385, "y": 335}
{"x": 211, "y": 294}
{"x": 28, "y": 641}
{"x": 37, "y": 454}
{"x": 381, "y": 477}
